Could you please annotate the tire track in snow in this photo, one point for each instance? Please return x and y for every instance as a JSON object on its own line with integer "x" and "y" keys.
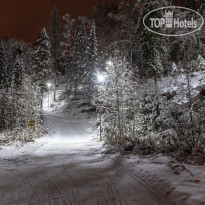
{"x": 111, "y": 193}
{"x": 164, "y": 199}
{"x": 52, "y": 185}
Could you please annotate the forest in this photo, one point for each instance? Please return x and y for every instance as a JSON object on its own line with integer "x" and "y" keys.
{"x": 147, "y": 90}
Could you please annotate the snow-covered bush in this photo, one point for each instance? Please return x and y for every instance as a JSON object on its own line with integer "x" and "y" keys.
{"x": 20, "y": 98}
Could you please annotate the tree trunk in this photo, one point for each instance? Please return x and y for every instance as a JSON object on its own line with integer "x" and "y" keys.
{"x": 54, "y": 94}
{"x": 75, "y": 92}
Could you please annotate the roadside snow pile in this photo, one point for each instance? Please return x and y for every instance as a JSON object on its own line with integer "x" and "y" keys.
{"x": 19, "y": 136}
{"x": 185, "y": 184}
{"x": 18, "y": 148}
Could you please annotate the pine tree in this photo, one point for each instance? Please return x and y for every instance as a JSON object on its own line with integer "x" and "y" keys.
{"x": 148, "y": 112}
{"x": 66, "y": 46}
{"x": 18, "y": 71}
{"x": 11, "y": 47}
{"x": 67, "y": 38}
{"x": 3, "y": 67}
{"x": 78, "y": 58}
{"x": 145, "y": 115}
{"x": 92, "y": 46}
{"x": 67, "y": 30}
{"x": 56, "y": 38}
{"x": 42, "y": 58}
{"x": 128, "y": 23}
{"x": 200, "y": 64}
{"x": 91, "y": 58}
{"x": 152, "y": 47}
{"x": 80, "y": 47}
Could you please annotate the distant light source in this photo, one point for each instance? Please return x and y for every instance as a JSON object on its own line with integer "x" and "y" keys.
{"x": 110, "y": 63}
{"x": 101, "y": 77}
{"x": 49, "y": 85}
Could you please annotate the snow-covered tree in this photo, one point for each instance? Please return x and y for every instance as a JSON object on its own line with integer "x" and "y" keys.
{"x": 91, "y": 57}
{"x": 18, "y": 71}
{"x": 127, "y": 19}
{"x": 152, "y": 48}
{"x": 116, "y": 97}
{"x": 20, "y": 102}
{"x": 67, "y": 30}
{"x": 67, "y": 40}
{"x": 3, "y": 67}
{"x": 56, "y": 38}
{"x": 78, "y": 58}
{"x": 145, "y": 117}
{"x": 42, "y": 59}
{"x": 200, "y": 63}
{"x": 92, "y": 46}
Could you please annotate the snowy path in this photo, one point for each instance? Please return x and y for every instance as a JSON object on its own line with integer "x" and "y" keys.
{"x": 70, "y": 170}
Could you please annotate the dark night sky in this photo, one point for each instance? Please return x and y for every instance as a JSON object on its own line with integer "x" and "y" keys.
{"x": 24, "y": 19}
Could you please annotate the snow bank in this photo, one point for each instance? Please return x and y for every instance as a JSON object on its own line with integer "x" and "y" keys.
{"x": 185, "y": 184}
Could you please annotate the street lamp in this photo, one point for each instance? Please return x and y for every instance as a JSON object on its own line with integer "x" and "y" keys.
{"x": 49, "y": 85}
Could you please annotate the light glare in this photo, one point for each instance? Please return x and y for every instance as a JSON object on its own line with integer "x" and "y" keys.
{"x": 49, "y": 85}
{"x": 110, "y": 63}
{"x": 101, "y": 77}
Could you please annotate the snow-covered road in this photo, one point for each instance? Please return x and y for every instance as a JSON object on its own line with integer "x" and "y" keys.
{"x": 69, "y": 169}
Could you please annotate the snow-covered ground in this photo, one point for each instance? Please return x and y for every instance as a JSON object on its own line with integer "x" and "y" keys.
{"x": 182, "y": 183}
{"x": 179, "y": 83}
{"x": 67, "y": 167}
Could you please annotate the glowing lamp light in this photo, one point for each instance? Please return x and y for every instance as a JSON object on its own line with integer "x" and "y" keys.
{"x": 49, "y": 85}
{"x": 110, "y": 63}
{"x": 101, "y": 77}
